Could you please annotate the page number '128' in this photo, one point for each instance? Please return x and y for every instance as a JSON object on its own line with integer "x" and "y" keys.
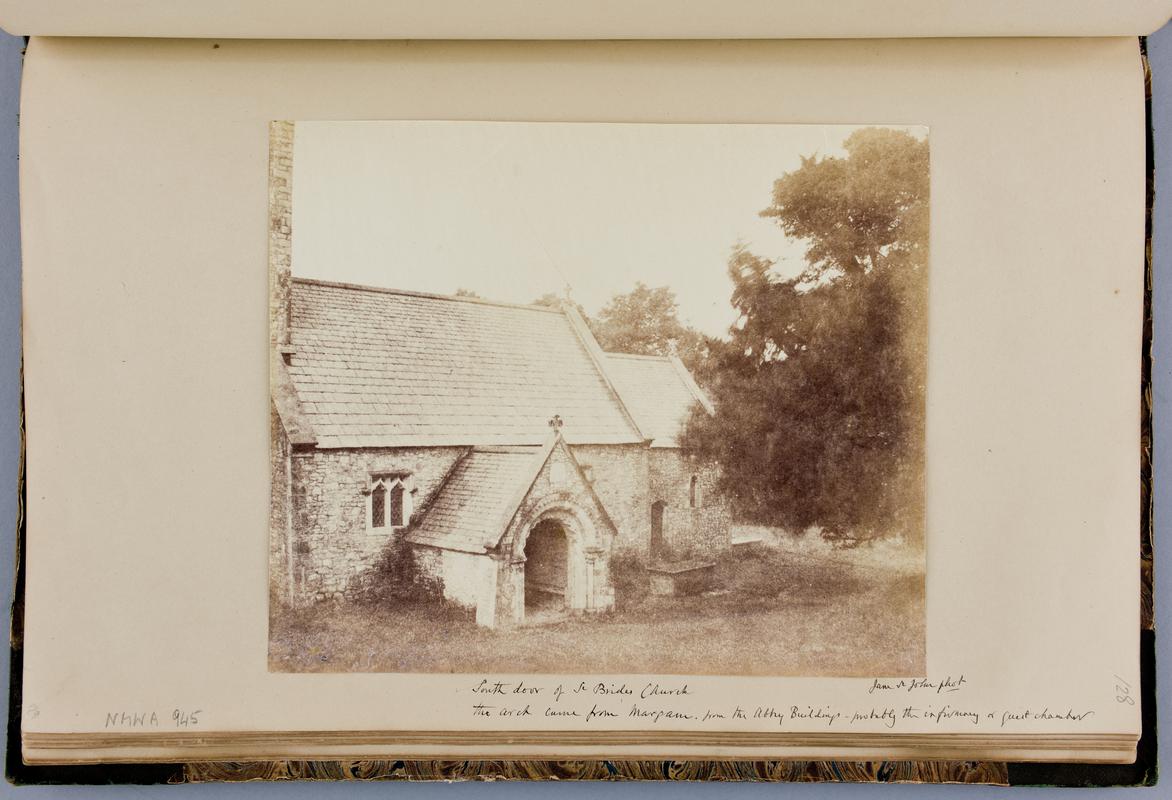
{"x": 1123, "y": 691}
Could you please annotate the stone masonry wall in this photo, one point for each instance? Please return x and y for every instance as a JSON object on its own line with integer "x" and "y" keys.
{"x": 335, "y": 555}
{"x": 705, "y": 530}
{"x": 279, "y": 508}
{"x": 620, "y": 478}
{"x": 280, "y": 229}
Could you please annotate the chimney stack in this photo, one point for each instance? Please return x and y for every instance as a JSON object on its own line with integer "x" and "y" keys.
{"x": 280, "y": 230}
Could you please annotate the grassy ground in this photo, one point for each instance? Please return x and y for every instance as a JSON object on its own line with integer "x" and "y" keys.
{"x": 781, "y": 610}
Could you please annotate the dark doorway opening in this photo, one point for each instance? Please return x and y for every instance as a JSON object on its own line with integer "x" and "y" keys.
{"x": 547, "y": 552}
{"x": 658, "y": 545}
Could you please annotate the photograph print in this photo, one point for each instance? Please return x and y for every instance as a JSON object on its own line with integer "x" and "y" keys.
{"x": 597, "y": 398}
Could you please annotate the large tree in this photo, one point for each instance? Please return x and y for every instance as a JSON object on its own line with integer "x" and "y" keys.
{"x": 820, "y": 404}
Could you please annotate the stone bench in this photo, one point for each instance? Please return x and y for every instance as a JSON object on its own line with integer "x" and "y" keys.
{"x": 671, "y": 578}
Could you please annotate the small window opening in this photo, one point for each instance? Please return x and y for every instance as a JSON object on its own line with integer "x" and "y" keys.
{"x": 378, "y": 506}
{"x": 694, "y": 492}
{"x": 397, "y": 506}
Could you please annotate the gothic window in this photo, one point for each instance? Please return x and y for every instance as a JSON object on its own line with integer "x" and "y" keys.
{"x": 694, "y": 492}
{"x": 388, "y": 501}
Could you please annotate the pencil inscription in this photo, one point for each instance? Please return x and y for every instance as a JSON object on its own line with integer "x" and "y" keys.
{"x": 150, "y": 718}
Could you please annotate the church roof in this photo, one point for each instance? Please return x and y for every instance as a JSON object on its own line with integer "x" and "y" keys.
{"x": 481, "y": 493}
{"x": 385, "y": 368}
{"x": 658, "y": 391}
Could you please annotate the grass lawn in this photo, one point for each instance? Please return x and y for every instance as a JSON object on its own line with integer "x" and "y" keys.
{"x": 779, "y": 611}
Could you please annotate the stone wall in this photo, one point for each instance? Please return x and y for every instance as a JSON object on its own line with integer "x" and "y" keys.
{"x": 619, "y": 475}
{"x": 701, "y": 530}
{"x": 279, "y": 509}
{"x": 280, "y": 229}
{"x": 335, "y": 554}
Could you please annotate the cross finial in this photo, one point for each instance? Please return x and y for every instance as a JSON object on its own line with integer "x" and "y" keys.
{"x": 556, "y": 422}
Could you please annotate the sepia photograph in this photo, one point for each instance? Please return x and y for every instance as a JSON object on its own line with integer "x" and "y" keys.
{"x": 604, "y": 398}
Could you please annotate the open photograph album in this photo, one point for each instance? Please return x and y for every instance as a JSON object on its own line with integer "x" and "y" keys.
{"x": 420, "y": 384}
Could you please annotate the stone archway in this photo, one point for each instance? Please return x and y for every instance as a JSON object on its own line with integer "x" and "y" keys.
{"x": 551, "y": 528}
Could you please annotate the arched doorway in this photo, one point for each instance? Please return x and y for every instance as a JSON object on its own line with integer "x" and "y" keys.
{"x": 558, "y": 562}
{"x": 547, "y": 557}
{"x": 657, "y": 543}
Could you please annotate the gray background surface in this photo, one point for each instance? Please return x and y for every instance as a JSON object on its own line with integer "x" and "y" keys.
{"x": 1160, "y": 53}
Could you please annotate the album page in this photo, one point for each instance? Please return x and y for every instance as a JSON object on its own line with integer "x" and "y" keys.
{"x": 346, "y": 433}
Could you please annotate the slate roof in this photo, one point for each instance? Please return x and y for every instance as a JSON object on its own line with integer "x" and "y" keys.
{"x": 658, "y": 391}
{"x": 384, "y": 368}
{"x": 473, "y": 507}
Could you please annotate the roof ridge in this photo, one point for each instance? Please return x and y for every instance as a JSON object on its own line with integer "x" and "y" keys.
{"x": 695, "y": 388}
{"x": 506, "y": 449}
{"x": 666, "y": 359}
{"x": 598, "y": 358}
{"x": 426, "y": 295}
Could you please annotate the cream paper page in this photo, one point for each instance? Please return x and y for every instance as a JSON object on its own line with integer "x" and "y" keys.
{"x": 566, "y": 19}
{"x": 144, "y": 199}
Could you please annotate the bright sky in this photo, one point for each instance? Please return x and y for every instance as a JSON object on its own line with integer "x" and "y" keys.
{"x": 515, "y": 210}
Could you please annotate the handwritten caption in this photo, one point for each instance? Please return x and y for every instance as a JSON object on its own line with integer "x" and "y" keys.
{"x": 657, "y": 701}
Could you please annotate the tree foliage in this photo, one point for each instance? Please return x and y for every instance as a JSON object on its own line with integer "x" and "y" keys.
{"x": 820, "y": 402}
{"x": 548, "y": 300}
{"x": 645, "y": 321}
{"x": 859, "y": 213}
